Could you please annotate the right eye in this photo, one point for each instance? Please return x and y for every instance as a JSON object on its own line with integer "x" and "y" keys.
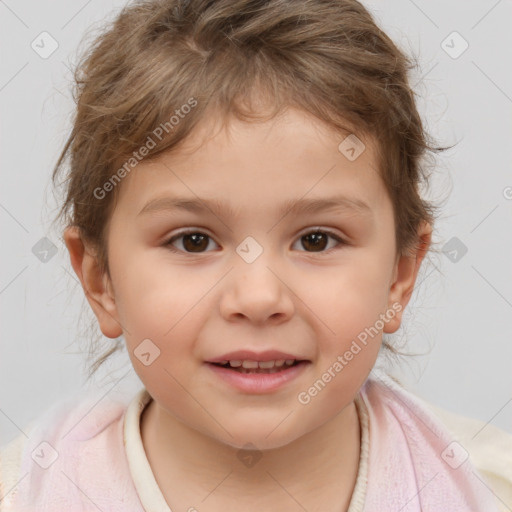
{"x": 192, "y": 242}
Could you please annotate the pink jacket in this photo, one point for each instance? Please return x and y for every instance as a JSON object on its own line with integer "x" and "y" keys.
{"x": 75, "y": 460}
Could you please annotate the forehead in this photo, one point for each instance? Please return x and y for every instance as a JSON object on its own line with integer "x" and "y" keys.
{"x": 293, "y": 129}
{"x": 259, "y": 164}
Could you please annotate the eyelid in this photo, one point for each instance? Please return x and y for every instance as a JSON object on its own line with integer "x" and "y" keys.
{"x": 329, "y": 231}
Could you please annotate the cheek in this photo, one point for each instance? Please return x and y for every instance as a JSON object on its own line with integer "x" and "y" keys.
{"x": 152, "y": 295}
{"x": 167, "y": 306}
{"x": 349, "y": 305}
{"x": 351, "y": 299}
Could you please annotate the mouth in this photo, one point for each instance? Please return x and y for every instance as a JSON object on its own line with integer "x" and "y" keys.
{"x": 258, "y": 377}
{"x": 260, "y": 367}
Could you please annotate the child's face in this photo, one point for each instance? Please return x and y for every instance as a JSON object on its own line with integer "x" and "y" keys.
{"x": 199, "y": 299}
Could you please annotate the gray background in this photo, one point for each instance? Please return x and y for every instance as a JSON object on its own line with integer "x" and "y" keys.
{"x": 460, "y": 316}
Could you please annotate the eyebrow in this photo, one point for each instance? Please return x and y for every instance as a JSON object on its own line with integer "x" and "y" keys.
{"x": 290, "y": 207}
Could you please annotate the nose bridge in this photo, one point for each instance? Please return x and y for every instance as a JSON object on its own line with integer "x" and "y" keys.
{"x": 252, "y": 268}
{"x": 255, "y": 289}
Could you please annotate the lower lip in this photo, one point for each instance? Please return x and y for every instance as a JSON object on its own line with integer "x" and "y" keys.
{"x": 259, "y": 382}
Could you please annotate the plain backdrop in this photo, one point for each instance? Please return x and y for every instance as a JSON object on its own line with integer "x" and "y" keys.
{"x": 459, "y": 320}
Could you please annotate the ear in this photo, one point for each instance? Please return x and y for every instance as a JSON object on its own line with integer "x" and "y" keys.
{"x": 97, "y": 285}
{"x": 404, "y": 279}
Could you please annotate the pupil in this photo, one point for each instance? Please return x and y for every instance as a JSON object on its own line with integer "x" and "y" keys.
{"x": 318, "y": 241}
{"x": 198, "y": 242}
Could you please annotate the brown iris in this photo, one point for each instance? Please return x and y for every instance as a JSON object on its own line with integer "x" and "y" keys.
{"x": 316, "y": 241}
{"x": 198, "y": 242}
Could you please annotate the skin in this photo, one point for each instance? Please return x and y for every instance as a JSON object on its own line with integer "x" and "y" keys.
{"x": 198, "y": 305}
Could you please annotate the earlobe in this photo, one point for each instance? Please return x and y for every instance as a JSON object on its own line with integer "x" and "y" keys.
{"x": 96, "y": 284}
{"x": 405, "y": 274}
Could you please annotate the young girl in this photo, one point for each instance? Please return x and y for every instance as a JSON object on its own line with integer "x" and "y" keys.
{"x": 243, "y": 208}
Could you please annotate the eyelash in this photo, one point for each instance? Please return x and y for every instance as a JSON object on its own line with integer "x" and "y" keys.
{"x": 331, "y": 234}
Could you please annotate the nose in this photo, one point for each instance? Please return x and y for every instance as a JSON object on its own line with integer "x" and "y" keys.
{"x": 257, "y": 293}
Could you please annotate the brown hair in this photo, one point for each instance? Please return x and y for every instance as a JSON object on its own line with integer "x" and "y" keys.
{"x": 326, "y": 57}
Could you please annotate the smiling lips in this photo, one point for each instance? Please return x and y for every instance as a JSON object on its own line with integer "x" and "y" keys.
{"x": 248, "y": 366}
{"x": 246, "y": 361}
{"x": 249, "y": 355}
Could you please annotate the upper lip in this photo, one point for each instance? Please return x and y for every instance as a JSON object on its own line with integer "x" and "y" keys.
{"x": 249, "y": 355}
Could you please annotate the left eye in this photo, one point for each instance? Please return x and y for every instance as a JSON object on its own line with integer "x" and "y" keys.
{"x": 318, "y": 240}
{"x": 197, "y": 242}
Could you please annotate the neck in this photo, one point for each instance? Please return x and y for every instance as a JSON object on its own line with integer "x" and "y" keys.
{"x": 198, "y": 467}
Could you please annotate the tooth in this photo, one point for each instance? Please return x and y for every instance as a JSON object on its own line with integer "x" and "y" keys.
{"x": 289, "y": 361}
{"x": 266, "y": 364}
{"x": 250, "y": 364}
{"x": 279, "y": 362}
{"x": 235, "y": 363}
{"x": 223, "y": 362}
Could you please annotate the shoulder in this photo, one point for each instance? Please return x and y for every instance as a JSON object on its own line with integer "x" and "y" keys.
{"x": 472, "y": 455}
{"x": 10, "y": 468}
{"x": 54, "y": 444}
{"x": 489, "y": 447}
